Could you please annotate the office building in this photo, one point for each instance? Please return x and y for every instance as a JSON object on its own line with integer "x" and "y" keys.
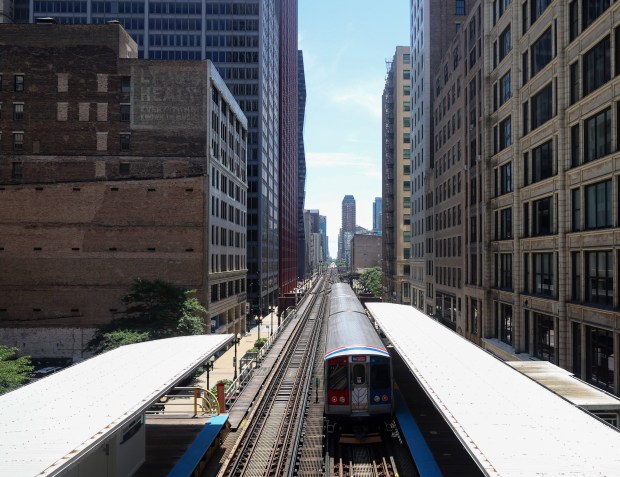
{"x": 301, "y": 167}
{"x": 288, "y": 142}
{"x": 396, "y": 167}
{"x": 433, "y": 26}
{"x": 242, "y": 39}
{"x": 376, "y": 214}
{"x": 98, "y": 189}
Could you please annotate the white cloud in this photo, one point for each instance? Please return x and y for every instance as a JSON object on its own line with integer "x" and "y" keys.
{"x": 365, "y": 95}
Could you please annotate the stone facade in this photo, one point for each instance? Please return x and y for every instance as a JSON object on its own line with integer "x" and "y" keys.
{"x": 365, "y": 252}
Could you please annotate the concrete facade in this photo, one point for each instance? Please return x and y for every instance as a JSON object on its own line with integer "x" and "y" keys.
{"x": 98, "y": 188}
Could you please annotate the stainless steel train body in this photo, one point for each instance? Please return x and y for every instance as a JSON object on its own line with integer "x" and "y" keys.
{"x": 358, "y": 368}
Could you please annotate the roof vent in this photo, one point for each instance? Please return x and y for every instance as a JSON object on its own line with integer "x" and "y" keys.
{"x": 46, "y": 20}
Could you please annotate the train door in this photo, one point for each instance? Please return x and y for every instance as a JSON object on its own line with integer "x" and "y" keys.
{"x": 359, "y": 384}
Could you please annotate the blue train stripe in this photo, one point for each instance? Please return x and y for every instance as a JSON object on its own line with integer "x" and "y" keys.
{"x": 357, "y": 349}
{"x": 424, "y": 460}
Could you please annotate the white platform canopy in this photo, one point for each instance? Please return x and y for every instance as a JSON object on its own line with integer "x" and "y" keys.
{"x": 47, "y": 424}
{"x": 511, "y": 426}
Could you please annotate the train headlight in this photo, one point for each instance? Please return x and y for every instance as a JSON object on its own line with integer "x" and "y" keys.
{"x": 377, "y": 399}
{"x": 334, "y": 399}
{"x": 342, "y": 399}
{"x": 385, "y": 398}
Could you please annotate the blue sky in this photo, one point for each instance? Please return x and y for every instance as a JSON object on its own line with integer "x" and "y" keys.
{"x": 345, "y": 44}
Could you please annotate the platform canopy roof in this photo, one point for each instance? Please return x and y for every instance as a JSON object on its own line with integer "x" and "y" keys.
{"x": 49, "y": 423}
{"x": 511, "y": 425}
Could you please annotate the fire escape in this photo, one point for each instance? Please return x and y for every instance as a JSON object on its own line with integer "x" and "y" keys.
{"x": 389, "y": 242}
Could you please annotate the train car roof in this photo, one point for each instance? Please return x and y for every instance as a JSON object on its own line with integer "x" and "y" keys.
{"x": 349, "y": 331}
{"x": 510, "y": 425}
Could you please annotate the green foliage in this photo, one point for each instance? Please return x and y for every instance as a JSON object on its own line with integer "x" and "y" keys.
{"x": 154, "y": 309}
{"x": 14, "y": 370}
{"x": 371, "y": 280}
{"x": 260, "y": 343}
{"x": 227, "y": 383}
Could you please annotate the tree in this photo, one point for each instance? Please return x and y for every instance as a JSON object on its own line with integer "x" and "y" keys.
{"x": 14, "y": 370}
{"x": 154, "y": 309}
{"x": 371, "y": 280}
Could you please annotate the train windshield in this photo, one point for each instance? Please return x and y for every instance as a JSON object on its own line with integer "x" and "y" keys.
{"x": 359, "y": 374}
{"x": 380, "y": 376}
{"x": 337, "y": 377}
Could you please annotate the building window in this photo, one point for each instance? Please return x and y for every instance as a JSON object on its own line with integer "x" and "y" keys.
{"x": 537, "y": 7}
{"x": 597, "y": 135}
{"x": 543, "y": 274}
{"x": 459, "y": 7}
{"x": 600, "y": 358}
{"x": 542, "y": 161}
{"x": 125, "y": 142}
{"x": 505, "y": 182}
{"x": 505, "y": 323}
{"x": 598, "y": 205}
{"x": 124, "y": 168}
{"x": 543, "y": 217}
{"x": 505, "y": 133}
{"x": 16, "y": 170}
{"x": 597, "y": 66}
{"x": 576, "y": 204}
{"x": 576, "y": 276}
{"x": 591, "y": 10}
{"x": 125, "y": 84}
{"x": 125, "y": 112}
{"x": 525, "y": 67}
{"x": 542, "y": 52}
{"x": 406, "y": 58}
{"x": 406, "y": 106}
{"x": 18, "y": 111}
{"x": 544, "y": 337}
{"x": 505, "y": 230}
{"x": 573, "y": 19}
{"x": 574, "y": 82}
{"x": 505, "y": 88}
{"x": 599, "y": 278}
{"x": 18, "y": 141}
{"x": 574, "y": 145}
{"x": 19, "y": 83}
{"x": 542, "y": 106}
{"x": 505, "y": 278}
{"x": 504, "y": 43}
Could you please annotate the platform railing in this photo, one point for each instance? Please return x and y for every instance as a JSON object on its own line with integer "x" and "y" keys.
{"x": 184, "y": 400}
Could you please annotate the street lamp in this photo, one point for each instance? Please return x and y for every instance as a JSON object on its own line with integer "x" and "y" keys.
{"x": 210, "y": 364}
{"x": 271, "y": 308}
{"x": 236, "y": 340}
{"x": 259, "y": 320}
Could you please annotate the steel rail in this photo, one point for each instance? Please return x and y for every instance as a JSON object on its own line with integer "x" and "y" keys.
{"x": 265, "y": 444}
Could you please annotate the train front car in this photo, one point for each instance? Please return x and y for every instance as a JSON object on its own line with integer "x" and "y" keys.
{"x": 358, "y": 372}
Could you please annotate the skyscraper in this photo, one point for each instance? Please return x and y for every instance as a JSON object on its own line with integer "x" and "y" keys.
{"x": 289, "y": 121}
{"x": 301, "y": 167}
{"x": 243, "y": 40}
{"x": 376, "y": 214}
{"x": 348, "y": 229}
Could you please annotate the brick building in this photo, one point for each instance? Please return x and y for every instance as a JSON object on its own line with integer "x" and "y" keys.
{"x": 113, "y": 168}
{"x": 365, "y": 251}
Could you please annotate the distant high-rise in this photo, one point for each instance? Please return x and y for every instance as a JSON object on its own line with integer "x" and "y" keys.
{"x": 348, "y": 213}
{"x": 376, "y": 214}
{"x": 348, "y": 228}
{"x": 323, "y": 229}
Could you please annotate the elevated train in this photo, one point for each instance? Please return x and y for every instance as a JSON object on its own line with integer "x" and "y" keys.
{"x": 357, "y": 365}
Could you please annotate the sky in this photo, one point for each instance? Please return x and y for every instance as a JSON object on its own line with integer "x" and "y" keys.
{"x": 345, "y": 45}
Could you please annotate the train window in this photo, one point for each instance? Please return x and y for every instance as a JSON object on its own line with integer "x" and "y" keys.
{"x": 380, "y": 376}
{"x": 337, "y": 377}
{"x": 359, "y": 374}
